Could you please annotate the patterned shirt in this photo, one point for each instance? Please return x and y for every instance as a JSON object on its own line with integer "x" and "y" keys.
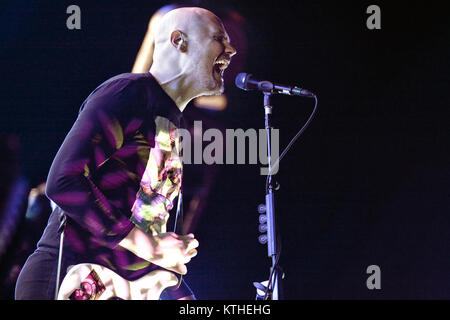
{"x": 118, "y": 167}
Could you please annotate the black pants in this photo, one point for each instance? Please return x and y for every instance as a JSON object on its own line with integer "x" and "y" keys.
{"x": 37, "y": 279}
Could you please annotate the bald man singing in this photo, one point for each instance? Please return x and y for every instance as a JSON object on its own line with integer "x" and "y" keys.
{"x": 118, "y": 172}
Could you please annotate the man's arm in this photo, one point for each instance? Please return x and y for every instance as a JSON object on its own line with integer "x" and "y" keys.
{"x": 107, "y": 117}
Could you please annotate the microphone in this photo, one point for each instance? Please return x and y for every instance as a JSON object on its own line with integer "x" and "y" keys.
{"x": 245, "y": 82}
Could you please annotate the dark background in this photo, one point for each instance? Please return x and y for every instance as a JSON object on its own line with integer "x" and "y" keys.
{"x": 366, "y": 184}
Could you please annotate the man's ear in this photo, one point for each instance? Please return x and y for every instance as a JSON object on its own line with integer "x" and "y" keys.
{"x": 178, "y": 40}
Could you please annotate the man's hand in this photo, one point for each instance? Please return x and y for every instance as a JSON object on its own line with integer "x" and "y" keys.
{"x": 167, "y": 250}
{"x": 174, "y": 251}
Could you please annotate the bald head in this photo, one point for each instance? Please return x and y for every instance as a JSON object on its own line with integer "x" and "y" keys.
{"x": 189, "y": 21}
{"x": 191, "y": 52}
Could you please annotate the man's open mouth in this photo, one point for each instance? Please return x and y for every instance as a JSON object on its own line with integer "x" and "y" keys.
{"x": 220, "y": 65}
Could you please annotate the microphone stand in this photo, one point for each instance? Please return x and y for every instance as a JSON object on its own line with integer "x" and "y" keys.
{"x": 274, "y": 285}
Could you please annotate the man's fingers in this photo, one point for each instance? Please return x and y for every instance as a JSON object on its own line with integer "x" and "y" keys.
{"x": 192, "y": 244}
{"x": 192, "y": 253}
{"x": 174, "y": 235}
{"x": 176, "y": 251}
{"x": 189, "y": 236}
{"x": 189, "y": 255}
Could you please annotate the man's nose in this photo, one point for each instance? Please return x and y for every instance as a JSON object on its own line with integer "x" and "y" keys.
{"x": 230, "y": 50}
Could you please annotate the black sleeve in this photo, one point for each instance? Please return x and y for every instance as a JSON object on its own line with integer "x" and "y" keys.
{"x": 109, "y": 114}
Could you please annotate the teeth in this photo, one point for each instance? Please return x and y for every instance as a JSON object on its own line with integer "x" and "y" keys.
{"x": 223, "y": 64}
